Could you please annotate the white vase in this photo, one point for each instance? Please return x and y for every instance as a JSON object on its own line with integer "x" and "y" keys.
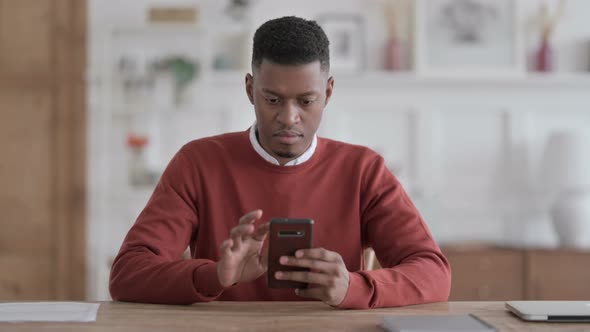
{"x": 571, "y": 218}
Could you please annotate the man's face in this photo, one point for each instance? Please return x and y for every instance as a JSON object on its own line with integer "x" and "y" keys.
{"x": 289, "y": 101}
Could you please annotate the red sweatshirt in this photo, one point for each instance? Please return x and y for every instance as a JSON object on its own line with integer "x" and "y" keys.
{"x": 210, "y": 183}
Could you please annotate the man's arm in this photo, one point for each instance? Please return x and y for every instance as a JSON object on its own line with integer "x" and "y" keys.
{"x": 414, "y": 269}
{"x": 149, "y": 267}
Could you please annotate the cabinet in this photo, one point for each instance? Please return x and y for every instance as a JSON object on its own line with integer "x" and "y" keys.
{"x": 557, "y": 275}
{"x": 482, "y": 273}
{"x": 486, "y": 274}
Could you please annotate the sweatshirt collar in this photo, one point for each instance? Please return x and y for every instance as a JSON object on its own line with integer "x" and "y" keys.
{"x": 266, "y": 156}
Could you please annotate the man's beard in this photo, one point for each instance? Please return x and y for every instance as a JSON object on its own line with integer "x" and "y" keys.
{"x": 286, "y": 154}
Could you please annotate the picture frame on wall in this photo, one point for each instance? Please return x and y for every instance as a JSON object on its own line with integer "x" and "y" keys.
{"x": 474, "y": 38}
{"x": 346, "y": 33}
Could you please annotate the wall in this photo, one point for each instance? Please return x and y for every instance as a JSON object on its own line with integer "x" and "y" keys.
{"x": 467, "y": 150}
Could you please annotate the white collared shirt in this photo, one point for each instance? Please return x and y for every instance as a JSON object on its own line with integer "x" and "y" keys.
{"x": 266, "y": 156}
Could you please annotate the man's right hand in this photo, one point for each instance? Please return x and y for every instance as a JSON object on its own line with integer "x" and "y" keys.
{"x": 241, "y": 256}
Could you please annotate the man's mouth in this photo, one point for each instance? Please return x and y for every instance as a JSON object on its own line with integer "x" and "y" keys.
{"x": 288, "y": 137}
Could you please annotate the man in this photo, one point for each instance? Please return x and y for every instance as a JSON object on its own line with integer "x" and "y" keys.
{"x": 279, "y": 167}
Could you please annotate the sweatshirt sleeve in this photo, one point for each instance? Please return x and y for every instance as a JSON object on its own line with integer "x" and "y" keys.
{"x": 414, "y": 269}
{"x": 149, "y": 267}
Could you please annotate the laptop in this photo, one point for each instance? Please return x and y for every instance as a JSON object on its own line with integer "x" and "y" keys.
{"x": 435, "y": 323}
{"x": 551, "y": 311}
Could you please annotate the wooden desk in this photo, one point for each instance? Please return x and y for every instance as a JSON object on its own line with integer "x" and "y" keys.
{"x": 276, "y": 316}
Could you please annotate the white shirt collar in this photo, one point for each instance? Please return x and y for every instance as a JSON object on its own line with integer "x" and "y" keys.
{"x": 266, "y": 156}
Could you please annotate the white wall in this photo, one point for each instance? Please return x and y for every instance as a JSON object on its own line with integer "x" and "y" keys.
{"x": 467, "y": 151}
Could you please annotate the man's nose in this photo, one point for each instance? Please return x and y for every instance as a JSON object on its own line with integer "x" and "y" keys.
{"x": 289, "y": 114}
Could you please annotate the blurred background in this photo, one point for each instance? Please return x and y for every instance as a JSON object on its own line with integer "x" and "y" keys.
{"x": 480, "y": 107}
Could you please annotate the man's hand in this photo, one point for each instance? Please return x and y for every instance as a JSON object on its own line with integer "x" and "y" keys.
{"x": 327, "y": 271}
{"x": 241, "y": 256}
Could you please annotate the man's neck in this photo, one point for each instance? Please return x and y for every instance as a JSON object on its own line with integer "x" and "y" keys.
{"x": 282, "y": 161}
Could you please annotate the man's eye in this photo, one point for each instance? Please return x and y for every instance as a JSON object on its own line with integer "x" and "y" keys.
{"x": 307, "y": 102}
{"x": 272, "y": 100}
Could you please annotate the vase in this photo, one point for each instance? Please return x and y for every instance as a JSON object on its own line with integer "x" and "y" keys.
{"x": 544, "y": 56}
{"x": 571, "y": 218}
{"x": 394, "y": 54}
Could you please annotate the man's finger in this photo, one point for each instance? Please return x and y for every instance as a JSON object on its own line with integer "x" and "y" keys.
{"x": 225, "y": 247}
{"x": 319, "y": 253}
{"x": 264, "y": 259}
{"x": 261, "y": 232}
{"x": 251, "y": 217}
{"x": 314, "y": 264}
{"x": 238, "y": 233}
{"x": 317, "y": 293}
{"x": 309, "y": 277}
{"x": 237, "y": 243}
{"x": 241, "y": 230}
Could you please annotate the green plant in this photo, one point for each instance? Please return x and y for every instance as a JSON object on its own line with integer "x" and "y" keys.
{"x": 182, "y": 69}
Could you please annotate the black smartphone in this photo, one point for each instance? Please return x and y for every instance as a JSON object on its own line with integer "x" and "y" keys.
{"x": 286, "y": 236}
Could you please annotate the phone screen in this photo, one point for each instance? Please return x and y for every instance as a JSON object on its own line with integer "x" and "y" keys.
{"x": 286, "y": 236}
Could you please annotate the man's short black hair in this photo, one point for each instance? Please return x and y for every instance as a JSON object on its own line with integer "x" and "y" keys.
{"x": 291, "y": 40}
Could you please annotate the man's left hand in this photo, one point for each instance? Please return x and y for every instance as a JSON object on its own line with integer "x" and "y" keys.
{"x": 327, "y": 271}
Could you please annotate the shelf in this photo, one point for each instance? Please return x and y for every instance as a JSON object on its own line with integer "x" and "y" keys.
{"x": 157, "y": 28}
{"x": 224, "y": 81}
{"x": 124, "y": 112}
{"x": 376, "y": 79}
{"x": 525, "y": 80}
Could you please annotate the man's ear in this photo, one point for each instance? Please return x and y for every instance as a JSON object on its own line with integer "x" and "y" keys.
{"x": 250, "y": 87}
{"x": 329, "y": 89}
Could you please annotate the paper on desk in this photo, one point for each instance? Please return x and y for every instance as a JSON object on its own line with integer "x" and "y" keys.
{"x": 48, "y": 312}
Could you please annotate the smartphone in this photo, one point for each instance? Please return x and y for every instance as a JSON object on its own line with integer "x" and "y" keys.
{"x": 286, "y": 236}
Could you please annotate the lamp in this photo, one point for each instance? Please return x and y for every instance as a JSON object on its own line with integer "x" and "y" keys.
{"x": 566, "y": 174}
